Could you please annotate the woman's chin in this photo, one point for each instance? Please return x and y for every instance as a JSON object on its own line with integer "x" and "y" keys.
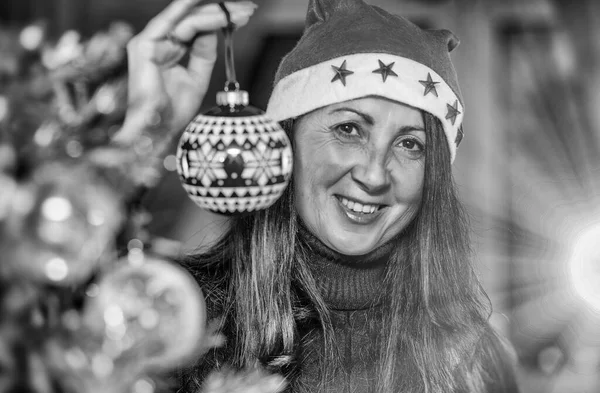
{"x": 352, "y": 246}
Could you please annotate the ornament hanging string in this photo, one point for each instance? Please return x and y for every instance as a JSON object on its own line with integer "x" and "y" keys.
{"x": 229, "y": 63}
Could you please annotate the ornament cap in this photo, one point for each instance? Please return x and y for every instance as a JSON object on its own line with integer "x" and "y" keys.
{"x": 233, "y": 98}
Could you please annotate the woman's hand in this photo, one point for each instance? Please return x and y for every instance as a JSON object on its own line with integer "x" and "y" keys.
{"x": 163, "y": 93}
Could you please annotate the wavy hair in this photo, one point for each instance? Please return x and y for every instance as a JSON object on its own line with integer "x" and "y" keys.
{"x": 436, "y": 332}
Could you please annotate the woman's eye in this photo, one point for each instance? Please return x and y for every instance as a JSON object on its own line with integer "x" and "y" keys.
{"x": 411, "y": 144}
{"x": 348, "y": 129}
{"x": 413, "y": 147}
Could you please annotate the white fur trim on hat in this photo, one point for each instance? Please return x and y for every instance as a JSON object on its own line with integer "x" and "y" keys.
{"x": 312, "y": 88}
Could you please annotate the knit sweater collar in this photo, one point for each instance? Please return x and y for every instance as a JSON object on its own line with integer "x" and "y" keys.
{"x": 347, "y": 282}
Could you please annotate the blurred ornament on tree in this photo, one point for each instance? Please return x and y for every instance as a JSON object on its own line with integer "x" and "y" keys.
{"x": 91, "y": 61}
{"x": 61, "y": 224}
{"x": 149, "y": 310}
{"x": 82, "y": 364}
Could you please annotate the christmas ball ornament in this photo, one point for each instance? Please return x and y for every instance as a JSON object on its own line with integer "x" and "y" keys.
{"x": 61, "y": 225}
{"x": 152, "y": 312}
{"x": 233, "y": 159}
{"x": 82, "y": 364}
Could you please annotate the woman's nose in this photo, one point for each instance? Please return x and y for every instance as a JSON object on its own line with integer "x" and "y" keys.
{"x": 371, "y": 172}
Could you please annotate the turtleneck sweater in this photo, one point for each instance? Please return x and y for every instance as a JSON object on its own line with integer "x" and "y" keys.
{"x": 353, "y": 290}
{"x": 351, "y": 287}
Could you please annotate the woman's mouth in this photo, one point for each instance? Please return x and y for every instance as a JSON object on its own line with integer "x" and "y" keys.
{"x": 359, "y": 212}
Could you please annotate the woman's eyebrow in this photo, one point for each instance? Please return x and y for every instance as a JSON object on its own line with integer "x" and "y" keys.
{"x": 368, "y": 119}
{"x": 407, "y": 129}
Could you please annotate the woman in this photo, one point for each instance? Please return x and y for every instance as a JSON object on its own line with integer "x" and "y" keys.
{"x": 358, "y": 278}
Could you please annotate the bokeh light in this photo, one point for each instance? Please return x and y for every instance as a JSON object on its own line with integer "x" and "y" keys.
{"x": 31, "y": 37}
{"x": 57, "y": 209}
{"x": 57, "y": 269}
{"x": 3, "y": 107}
{"x": 585, "y": 266}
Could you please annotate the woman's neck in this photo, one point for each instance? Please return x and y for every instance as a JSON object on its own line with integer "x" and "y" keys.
{"x": 347, "y": 282}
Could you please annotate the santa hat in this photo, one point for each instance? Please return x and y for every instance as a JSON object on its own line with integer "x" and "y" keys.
{"x": 351, "y": 49}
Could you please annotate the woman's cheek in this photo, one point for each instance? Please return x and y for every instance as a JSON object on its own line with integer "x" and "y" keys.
{"x": 338, "y": 155}
{"x": 408, "y": 185}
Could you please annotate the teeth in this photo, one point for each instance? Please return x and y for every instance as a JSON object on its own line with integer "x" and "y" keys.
{"x": 359, "y": 207}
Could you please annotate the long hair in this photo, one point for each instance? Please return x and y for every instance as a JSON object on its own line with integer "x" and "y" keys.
{"x": 437, "y": 310}
{"x": 256, "y": 280}
{"x": 437, "y": 314}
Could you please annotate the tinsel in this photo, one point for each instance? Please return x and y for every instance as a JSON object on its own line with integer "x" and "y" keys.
{"x": 90, "y": 301}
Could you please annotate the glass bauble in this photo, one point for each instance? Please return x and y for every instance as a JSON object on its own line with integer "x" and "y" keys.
{"x": 61, "y": 225}
{"x": 233, "y": 159}
{"x": 153, "y": 311}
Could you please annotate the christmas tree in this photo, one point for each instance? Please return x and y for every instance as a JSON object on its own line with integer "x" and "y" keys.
{"x": 90, "y": 300}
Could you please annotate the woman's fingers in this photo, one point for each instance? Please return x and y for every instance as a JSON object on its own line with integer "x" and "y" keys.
{"x": 163, "y": 23}
{"x": 203, "y": 55}
{"x": 210, "y": 18}
{"x": 164, "y": 39}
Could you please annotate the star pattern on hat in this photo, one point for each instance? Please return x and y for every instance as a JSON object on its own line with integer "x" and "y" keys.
{"x": 459, "y": 136}
{"x": 429, "y": 85}
{"x": 453, "y": 112}
{"x": 385, "y": 70}
{"x": 341, "y": 73}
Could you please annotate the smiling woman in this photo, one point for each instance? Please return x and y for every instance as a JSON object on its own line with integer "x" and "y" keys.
{"x": 359, "y": 278}
{"x": 359, "y": 172}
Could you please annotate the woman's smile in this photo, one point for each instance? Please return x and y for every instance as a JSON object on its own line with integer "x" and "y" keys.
{"x": 361, "y": 213}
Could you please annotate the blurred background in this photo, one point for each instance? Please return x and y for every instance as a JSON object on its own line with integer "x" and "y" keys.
{"x": 528, "y": 169}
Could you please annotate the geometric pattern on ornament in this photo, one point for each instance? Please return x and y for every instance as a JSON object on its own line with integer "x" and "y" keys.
{"x": 214, "y": 139}
{"x": 195, "y": 191}
{"x": 261, "y": 163}
{"x": 242, "y": 139}
{"x": 279, "y": 135}
{"x": 265, "y": 136}
{"x": 243, "y": 192}
{"x": 212, "y": 204}
{"x": 247, "y": 204}
{"x": 240, "y": 129}
{"x": 193, "y": 139}
{"x": 259, "y": 127}
{"x": 240, "y": 193}
{"x": 233, "y": 205}
{"x": 205, "y": 165}
{"x": 237, "y": 193}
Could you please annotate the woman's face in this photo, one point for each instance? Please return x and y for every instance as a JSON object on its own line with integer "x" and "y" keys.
{"x": 358, "y": 172}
